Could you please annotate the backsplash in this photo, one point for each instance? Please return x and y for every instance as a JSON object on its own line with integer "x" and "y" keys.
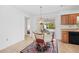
{"x": 69, "y": 27}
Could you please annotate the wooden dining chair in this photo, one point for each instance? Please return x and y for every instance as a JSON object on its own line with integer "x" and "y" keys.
{"x": 40, "y": 43}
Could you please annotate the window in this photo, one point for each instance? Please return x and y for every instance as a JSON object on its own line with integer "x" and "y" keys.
{"x": 50, "y": 25}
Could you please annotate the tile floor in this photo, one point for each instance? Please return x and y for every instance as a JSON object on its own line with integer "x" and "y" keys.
{"x": 68, "y": 48}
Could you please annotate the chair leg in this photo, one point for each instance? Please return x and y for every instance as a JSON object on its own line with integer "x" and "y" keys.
{"x": 53, "y": 45}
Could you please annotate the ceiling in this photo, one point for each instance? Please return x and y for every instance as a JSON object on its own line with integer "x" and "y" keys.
{"x": 35, "y": 9}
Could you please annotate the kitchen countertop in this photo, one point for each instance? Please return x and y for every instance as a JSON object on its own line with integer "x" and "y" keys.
{"x": 74, "y": 30}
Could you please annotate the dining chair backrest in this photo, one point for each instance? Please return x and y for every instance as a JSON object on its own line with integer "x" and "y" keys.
{"x": 39, "y": 37}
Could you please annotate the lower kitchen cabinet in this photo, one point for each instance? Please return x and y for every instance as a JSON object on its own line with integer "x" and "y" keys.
{"x": 65, "y": 36}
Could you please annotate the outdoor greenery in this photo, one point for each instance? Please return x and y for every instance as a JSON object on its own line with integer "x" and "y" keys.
{"x": 77, "y": 24}
{"x": 50, "y": 26}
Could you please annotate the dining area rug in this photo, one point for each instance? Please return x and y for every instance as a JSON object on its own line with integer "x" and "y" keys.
{"x": 32, "y": 49}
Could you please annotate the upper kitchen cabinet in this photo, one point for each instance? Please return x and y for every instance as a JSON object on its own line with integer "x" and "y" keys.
{"x": 69, "y": 19}
{"x": 72, "y": 19}
{"x": 64, "y": 19}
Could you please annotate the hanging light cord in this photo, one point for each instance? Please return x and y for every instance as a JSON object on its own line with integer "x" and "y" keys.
{"x": 41, "y": 11}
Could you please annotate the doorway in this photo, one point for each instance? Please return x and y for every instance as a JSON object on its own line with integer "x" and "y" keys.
{"x": 27, "y": 26}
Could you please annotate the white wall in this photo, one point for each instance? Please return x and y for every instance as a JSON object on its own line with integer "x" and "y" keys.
{"x": 33, "y": 25}
{"x": 58, "y": 27}
{"x": 11, "y": 26}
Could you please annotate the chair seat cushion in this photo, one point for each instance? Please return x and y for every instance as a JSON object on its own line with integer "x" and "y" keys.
{"x": 40, "y": 40}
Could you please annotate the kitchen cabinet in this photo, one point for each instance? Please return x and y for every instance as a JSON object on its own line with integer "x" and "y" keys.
{"x": 69, "y": 19}
{"x": 72, "y": 19}
{"x": 64, "y": 19}
{"x": 65, "y": 36}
